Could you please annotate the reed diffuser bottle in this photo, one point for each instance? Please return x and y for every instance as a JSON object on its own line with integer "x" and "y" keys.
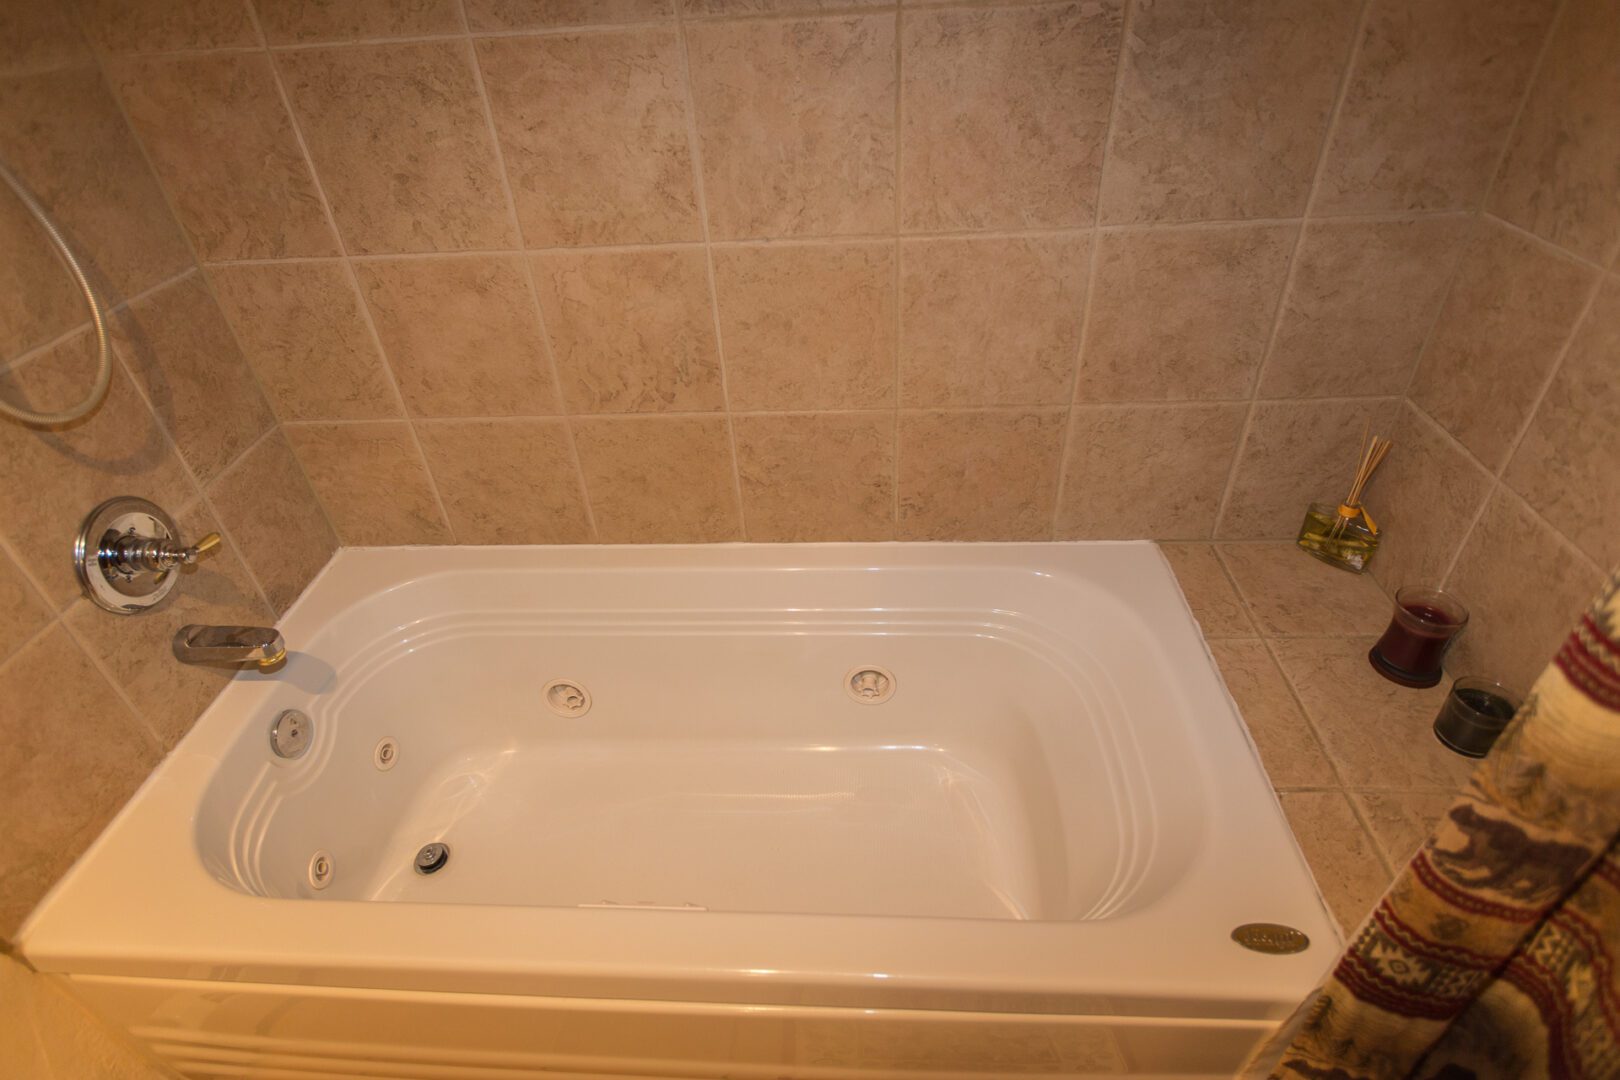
{"x": 1345, "y": 535}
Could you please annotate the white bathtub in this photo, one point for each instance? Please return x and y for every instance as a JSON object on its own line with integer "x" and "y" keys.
{"x": 1028, "y": 860}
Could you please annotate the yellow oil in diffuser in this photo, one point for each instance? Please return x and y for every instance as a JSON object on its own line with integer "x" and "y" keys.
{"x": 1344, "y": 534}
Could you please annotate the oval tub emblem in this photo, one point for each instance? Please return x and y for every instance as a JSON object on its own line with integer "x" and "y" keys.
{"x": 1270, "y": 937}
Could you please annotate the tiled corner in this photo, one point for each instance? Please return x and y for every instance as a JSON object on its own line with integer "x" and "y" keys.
{"x": 593, "y": 129}
{"x": 1154, "y": 471}
{"x": 659, "y": 479}
{"x": 1500, "y": 333}
{"x": 180, "y": 349}
{"x": 372, "y": 482}
{"x": 1558, "y": 177}
{"x": 399, "y": 141}
{"x": 817, "y": 476}
{"x": 1433, "y": 92}
{"x": 991, "y": 321}
{"x": 301, "y": 327}
{"x": 1297, "y": 453}
{"x": 461, "y": 335}
{"x": 498, "y": 15}
{"x": 979, "y": 475}
{"x": 1525, "y": 583}
{"x": 1004, "y": 114}
{"x": 1568, "y": 466}
{"x": 1214, "y": 601}
{"x": 270, "y": 512}
{"x": 1424, "y": 498}
{"x": 1342, "y": 855}
{"x": 796, "y": 124}
{"x": 1183, "y": 314}
{"x": 118, "y": 450}
{"x": 1223, "y": 107}
{"x": 632, "y": 331}
{"x": 1364, "y": 297}
{"x": 1289, "y": 749}
{"x": 1377, "y": 733}
{"x": 224, "y": 147}
{"x": 1291, "y": 593}
{"x": 807, "y": 326}
{"x": 507, "y": 481}
{"x": 301, "y": 22}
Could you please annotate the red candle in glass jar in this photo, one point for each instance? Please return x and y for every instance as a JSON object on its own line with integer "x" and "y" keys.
{"x": 1426, "y": 623}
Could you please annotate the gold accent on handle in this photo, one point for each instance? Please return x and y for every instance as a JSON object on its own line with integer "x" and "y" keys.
{"x": 207, "y": 544}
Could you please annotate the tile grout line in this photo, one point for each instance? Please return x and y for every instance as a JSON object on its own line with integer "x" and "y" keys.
{"x": 1346, "y": 77}
{"x": 1092, "y": 257}
{"x": 33, "y": 352}
{"x": 700, "y": 192}
{"x": 361, "y": 303}
{"x": 525, "y": 262}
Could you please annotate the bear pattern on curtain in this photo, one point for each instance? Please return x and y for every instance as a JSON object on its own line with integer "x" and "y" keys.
{"x": 1496, "y": 952}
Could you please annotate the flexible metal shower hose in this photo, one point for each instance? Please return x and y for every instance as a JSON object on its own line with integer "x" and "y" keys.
{"x": 104, "y": 358}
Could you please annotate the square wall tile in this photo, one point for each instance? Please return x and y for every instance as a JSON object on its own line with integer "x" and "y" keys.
{"x": 62, "y": 133}
{"x": 72, "y": 753}
{"x": 372, "y": 482}
{"x": 135, "y": 651}
{"x": 1209, "y": 592}
{"x": 991, "y": 321}
{"x": 699, "y": 8}
{"x": 22, "y": 610}
{"x": 39, "y": 301}
{"x": 1289, "y": 749}
{"x": 1525, "y": 588}
{"x": 1568, "y": 466}
{"x": 1509, "y": 314}
{"x": 1183, "y": 314}
{"x": 1288, "y": 592}
{"x": 1377, "y": 733}
{"x": 1342, "y": 856}
{"x": 296, "y": 22}
{"x": 1559, "y": 178}
{"x": 180, "y": 349}
{"x": 222, "y": 142}
{"x": 129, "y": 26}
{"x": 1223, "y": 108}
{"x": 41, "y": 37}
{"x": 1297, "y": 453}
{"x": 1424, "y": 498}
{"x": 632, "y": 331}
{"x": 301, "y": 327}
{"x": 461, "y": 335}
{"x": 507, "y": 481}
{"x": 488, "y": 15}
{"x": 807, "y": 326}
{"x": 1147, "y": 471}
{"x": 1005, "y": 111}
{"x": 399, "y": 140}
{"x": 659, "y": 480}
{"x": 796, "y": 122}
{"x": 1430, "y": 102}
{"x": 1364, "y": 298}
{"x": 979, "y": 475}
{"x": 593, "y": 131}
{"x": 817, "y": 476}
{"x": 1401, "y": 821}
{"x": 119, "y": 449}
{"x": 271, "y": 513}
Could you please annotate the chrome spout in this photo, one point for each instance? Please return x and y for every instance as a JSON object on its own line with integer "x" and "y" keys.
{"x": 260, "y": 645}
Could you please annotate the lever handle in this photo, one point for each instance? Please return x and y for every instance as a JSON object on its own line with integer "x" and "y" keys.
{"x": 202, "y": 547}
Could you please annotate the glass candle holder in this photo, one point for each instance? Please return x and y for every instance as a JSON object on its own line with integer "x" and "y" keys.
{"x": 1474, "y": 714}
{"x": 1425, "y": 624}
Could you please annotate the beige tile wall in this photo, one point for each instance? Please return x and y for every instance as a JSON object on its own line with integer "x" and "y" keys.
{"x": 654, "y": 271}
{"x": 90, "y": 702}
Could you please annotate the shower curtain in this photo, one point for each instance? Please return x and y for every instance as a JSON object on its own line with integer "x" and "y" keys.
{"x": 1496, "y": 952}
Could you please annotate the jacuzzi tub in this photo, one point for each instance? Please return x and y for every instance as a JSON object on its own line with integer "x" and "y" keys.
{"x": 1019, "y": 845}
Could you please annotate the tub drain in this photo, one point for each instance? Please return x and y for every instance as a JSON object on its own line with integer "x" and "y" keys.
{"x": 432, "y": 857}
{"x": 870, "y": 685}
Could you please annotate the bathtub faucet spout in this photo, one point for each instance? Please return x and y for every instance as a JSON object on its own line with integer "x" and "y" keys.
{"x": 259, "y": 645}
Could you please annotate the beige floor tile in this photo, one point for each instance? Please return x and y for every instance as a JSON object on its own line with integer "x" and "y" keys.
{"x": 1291, "y": 593}
{"x": 1214, "y": 602}
{"x": 1380, "y": 735}
{"x": 1342, "y": 857}
{"x": 1288, "y": 748}
{"x": 1401, "y": 820}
